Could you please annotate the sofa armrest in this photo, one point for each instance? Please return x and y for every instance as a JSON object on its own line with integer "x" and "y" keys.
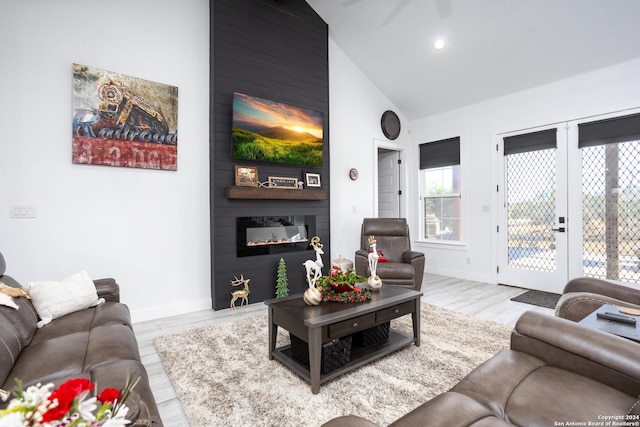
{"x": 567, "y": 345}
{"x": 576, "y": 306}
{"x": 417, "y": 260}
{"x": 409, "y": 256}
{"x": 108, "y": 289}
{"x": 603, "y": 287}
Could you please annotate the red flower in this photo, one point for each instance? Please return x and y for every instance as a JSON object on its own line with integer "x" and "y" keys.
{"x": 109, "y": 395}
{"x": 66, "y": 394}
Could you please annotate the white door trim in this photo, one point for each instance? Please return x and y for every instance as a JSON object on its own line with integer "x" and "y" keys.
{"x": 378, "y": 143}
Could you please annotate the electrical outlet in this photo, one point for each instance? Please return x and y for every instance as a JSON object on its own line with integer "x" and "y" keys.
{"x": 23, "y": 211}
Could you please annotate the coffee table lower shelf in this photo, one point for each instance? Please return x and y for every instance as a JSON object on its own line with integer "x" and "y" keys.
{"x": 359, "y": 356}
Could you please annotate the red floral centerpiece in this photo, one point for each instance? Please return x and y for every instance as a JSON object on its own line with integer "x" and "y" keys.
{"x": 341, "y": 286}
{"x": 68, "y": 405}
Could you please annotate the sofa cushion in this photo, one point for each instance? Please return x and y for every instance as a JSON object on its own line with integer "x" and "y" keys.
{"x": 25, "y": 318}
{"x": 548, "y": 395}
{"x": 397, "y": 270}
{"x": 53, "y": 299}
{"x": 451, "y": 409}
{"x": 84, "y": 320}
{"x": 51, "y": 359}
{"x": 10, "y": 347}
{"x": 526, "y": 391}
{"x": 77, "y": 343}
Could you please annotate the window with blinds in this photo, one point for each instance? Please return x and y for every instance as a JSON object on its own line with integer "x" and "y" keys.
{"x": 440, "y": 209}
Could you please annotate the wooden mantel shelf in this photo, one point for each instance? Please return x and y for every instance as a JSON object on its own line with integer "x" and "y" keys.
{"x": 276, "y": 193}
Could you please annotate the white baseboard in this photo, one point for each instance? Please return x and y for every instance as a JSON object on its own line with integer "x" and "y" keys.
{"x": 170, "y": 310}
{"x": 464, "y": 275}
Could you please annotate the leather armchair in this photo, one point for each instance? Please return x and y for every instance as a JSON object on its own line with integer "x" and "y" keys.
{"x": 584, "y": 295}
{"x": 404, "y": 267}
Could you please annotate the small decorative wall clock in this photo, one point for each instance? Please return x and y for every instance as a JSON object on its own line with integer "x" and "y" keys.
{"x": 353, "y": 174}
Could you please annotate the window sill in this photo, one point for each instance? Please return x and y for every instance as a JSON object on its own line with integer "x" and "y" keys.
{"x": 441, "y": 244}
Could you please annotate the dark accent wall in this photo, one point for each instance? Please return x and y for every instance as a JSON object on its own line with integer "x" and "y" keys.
{"x": 276, "y": 50}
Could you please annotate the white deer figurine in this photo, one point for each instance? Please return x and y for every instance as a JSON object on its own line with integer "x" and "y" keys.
{"x": 314, "y": 266}
{"x": 244, "y": 294}
{"x": 373, "y": 256}
{"x": 373, "y": 282}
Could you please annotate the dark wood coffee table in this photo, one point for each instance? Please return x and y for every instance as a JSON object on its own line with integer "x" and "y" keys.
{"x": 322, "y": 324}
{"x": 624, "y": 330}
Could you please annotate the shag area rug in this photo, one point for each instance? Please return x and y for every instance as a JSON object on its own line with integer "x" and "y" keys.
{"x": 223, "y": 376}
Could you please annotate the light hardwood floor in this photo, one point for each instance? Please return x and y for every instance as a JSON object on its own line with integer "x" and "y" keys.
{"x": 481, "y": 300}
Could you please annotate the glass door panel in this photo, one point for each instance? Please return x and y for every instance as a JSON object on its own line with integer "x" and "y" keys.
{"x": 533, "y": 229}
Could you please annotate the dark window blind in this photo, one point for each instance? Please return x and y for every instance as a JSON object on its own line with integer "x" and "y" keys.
{"x": 609, "y": 131}
{"x": 437, "y": 154}
{"x": 534, "y": 141}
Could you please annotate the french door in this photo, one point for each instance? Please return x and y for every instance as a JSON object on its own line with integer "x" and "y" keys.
{"x": 533, "y": 221}
{"x": 569, "y": 203}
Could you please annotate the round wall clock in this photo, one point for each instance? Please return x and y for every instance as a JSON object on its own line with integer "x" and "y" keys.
{"x": 353, "y": 174}
{"x": 390, "y": 124}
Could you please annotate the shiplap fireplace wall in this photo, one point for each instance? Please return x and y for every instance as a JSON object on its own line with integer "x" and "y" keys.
{"x": 276, "y": 50}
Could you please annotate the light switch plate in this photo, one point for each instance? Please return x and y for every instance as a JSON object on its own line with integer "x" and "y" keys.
{"x": 23, "y": 211}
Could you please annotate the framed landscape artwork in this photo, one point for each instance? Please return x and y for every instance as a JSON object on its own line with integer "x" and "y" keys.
{"x": 271, "y": 131}
{"x": 124, "y": 121}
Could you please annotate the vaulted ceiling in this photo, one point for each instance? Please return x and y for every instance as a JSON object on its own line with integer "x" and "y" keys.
{"x": 492, "y": 47}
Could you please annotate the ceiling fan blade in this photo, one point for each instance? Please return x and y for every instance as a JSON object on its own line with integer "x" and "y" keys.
{"x": 444, "y": 8}
{"x": 396, "y": 10}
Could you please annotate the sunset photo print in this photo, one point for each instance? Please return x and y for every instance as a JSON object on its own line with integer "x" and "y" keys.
{"x": 275, "y": 132}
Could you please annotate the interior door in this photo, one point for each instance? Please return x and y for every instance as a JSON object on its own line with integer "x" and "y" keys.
{"x": 533, "y": 225}
{"x": 388, "y": 183}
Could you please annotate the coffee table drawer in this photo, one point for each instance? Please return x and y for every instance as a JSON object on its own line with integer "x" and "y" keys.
{"x": 352, "y": 325}
{"x": 395, "y": 311}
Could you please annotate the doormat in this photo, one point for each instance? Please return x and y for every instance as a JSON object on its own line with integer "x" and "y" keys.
{"x": 539, "y": 298}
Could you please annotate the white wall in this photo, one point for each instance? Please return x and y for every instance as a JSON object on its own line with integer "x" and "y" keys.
{"x": 355, "y": 107}
{"x": 606, "y": 90}
{"x": 148, "y": 229}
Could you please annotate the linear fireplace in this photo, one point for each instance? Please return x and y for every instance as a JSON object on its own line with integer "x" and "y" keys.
{"x": 261, "y": 235}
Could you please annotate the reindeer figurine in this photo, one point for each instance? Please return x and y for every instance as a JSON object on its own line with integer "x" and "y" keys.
{"x": 373, "y": 255}
{"x": 314, "y": 266}
{"x": 373, "y": 281}
{"x": 244, "y": 294}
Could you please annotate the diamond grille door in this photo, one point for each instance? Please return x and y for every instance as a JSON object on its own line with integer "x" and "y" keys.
{"x": 611, "y": 211}
{"x": 531, "y": 200}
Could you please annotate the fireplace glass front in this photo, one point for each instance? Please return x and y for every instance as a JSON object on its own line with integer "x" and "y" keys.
{"x": 261, "y": 235}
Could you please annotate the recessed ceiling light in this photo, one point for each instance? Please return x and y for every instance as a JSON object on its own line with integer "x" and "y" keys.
{"x": 439, "y": 44}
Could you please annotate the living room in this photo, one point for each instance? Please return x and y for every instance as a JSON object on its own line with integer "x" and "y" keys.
{"x": 151, "y": 230}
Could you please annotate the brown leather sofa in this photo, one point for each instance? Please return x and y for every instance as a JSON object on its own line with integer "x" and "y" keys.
{"x": 556, "y": 371}
{"x": 96, "y": 343}
{"x": 584, "y": 295}
{"x": 404, "y": 267}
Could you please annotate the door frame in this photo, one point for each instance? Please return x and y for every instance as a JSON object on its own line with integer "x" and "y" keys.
{"x": 377, "y": 144}
{"x": 574, "y": 178}
{"x": 539, "y": 280}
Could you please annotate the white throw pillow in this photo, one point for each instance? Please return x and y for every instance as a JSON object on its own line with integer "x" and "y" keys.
{"x": 55, "y": 299}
